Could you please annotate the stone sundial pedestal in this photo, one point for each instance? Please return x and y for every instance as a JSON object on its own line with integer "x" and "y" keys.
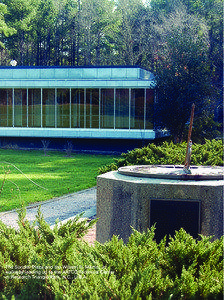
{"x": 168, "y": 196}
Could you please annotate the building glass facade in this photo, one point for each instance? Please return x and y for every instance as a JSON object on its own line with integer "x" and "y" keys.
{"x": 77, "y": 108}
{"x": 88, "y": 102}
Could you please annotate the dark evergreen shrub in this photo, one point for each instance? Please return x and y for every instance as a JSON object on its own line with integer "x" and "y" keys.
{"x": 210, "y": 153}
{"x": 37, "y": 262}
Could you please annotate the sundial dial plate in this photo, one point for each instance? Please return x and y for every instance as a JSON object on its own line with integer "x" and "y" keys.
{"x": 174, "y": 172}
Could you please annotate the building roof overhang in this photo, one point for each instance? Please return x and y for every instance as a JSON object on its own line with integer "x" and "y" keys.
{"x": 76, "y": 77}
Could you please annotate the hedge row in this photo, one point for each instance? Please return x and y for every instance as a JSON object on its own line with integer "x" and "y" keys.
{"x": 44, "y": 263}
{"x": 210, "y": 153}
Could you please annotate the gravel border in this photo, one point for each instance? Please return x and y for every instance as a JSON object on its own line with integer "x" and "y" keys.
{"x": 60, "y": 208}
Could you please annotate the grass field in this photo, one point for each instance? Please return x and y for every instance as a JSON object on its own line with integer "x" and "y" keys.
{"x": 54, "y": 175}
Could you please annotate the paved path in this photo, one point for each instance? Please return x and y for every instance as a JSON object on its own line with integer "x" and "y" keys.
{"x": 62, "y": 208}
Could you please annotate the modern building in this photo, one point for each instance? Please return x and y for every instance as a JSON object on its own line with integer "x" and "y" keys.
{"x": 77, "y": 102}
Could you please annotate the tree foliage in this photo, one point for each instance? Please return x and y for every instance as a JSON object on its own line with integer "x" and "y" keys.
{"x": 188, "y": 39}
{"x": 5, "y": 30}
{"x": 180, "y": 41}
{"x": 100, "y": 32}
{"x": 182, "y": 71}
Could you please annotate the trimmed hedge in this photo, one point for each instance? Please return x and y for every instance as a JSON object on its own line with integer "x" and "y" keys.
{"x": 44, "y": 263}
{"x": 210, "y": 153}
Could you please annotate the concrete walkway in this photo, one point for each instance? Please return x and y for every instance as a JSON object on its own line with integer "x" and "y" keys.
{"x": 62, "y": 208}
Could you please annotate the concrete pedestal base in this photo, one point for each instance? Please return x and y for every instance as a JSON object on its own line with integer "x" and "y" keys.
{"x": 125, "y": 201}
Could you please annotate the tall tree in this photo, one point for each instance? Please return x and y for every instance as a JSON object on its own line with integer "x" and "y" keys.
{"x": 19, "y": 16}
{"x": 98, "y": 23}
{"x": 5, "y": 30}
{"x": 41, "y": 33}
{"x": 75, "y": 35}
{"x": 132, "y": 29}
{"x": 65, "y": 10}
{"x": 210, "y": 12}
{"x": 182, "y": 70}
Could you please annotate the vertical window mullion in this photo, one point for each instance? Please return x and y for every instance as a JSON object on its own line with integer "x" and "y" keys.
{"x": 99, "y": 107}
{"x": 70, "y": 108}
{"x": 144, "y": 109}
{"x": 7, "y": 96}
{"x": 32, "y": 108}
{"x": 79, "y": 108}
{"x": 41, "y": 107}
{"x": 129, "y": 109}
{"x": 90, "y": 108}
{"x": 13, "y": 107}
{"x": 84, "y": 107}
{"x": 114, "y": 108}
{"x": 21, "y": 101}
{"x": 55, "y": 101}
{"x": 27, "y": 106}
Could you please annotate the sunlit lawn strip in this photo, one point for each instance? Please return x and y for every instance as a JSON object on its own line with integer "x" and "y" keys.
{"x": 56, "y": 173}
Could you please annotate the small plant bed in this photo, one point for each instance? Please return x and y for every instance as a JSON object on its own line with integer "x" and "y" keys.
{"x": 29, "y": 176}
{"x": 208, "y": 154}
{"x": 44, "y": 263}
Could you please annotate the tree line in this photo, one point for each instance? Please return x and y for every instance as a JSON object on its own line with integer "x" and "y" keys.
{"x": 180, "y": 41}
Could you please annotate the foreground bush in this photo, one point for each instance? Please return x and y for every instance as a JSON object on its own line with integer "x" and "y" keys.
{"x": 208, "y": 154}
{"x": 41, "y": 263}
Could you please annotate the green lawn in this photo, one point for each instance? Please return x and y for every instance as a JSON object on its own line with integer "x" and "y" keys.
{"x": 56, "y": 173}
